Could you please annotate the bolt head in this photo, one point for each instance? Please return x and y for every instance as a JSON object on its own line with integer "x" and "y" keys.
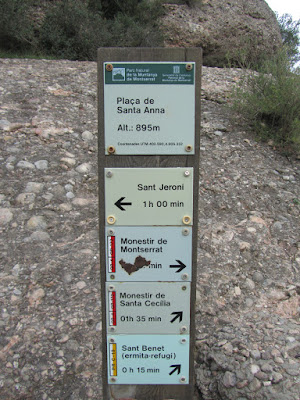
{"x": 185, "y": 232}
{"x": 111, "y": 219}
{"x": 111, "y": 149}
{"x": 186, "y": 220}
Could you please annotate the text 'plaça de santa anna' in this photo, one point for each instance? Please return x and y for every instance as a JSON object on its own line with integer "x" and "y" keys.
{"x": 134, "y": 106}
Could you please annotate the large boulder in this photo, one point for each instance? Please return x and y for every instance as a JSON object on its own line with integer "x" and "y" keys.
{"x": 231, "y": 32}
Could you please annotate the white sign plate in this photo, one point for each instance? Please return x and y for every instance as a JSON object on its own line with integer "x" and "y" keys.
{"x": 148, "y": 307}
{"x": 148, "y": 359}
{"x": 139, "y": 253}
{"x": 149, "y": 196}
{"x": 149, "y": 108}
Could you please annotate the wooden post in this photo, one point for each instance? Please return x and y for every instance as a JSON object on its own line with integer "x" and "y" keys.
{"x": 112, "y": 161}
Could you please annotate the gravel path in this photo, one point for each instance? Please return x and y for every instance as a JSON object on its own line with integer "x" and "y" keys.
{"x": 248, "y": 329}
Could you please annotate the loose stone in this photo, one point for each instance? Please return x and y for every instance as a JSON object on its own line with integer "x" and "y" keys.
{"x": 41, "y": 164}
{"x": 87, "y": 136}
{"x": 249, "y": 284}
{"x": 84, "y": 168}
{"x": 5, "y": 216}
{"x": 229, "y": 379}
{"x": 70, "y": 195}
{"x": 39, "y": 236}
{"x": 25, "y": 198}
{"x": 36, "y": 296}
{"x": 34, "y": 187}
{"x": 69, "y": 187}
{"x": 37, "y": 223}
{"x": 81, "y": 285}
{"x": 69, "y": 161}
{"x": 257, "y": 276}
{"x": 25, "y": 165}
{"x": 255, "y": 385}
{"x": 266, "y": 368}
{"x": 81, "y": 202}
{"x": 276, "y": 377}
{"x": 254, "y": 369}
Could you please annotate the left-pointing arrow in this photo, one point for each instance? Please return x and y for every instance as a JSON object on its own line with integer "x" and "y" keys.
{"x": 177, "y": 367}
{"x": 120, "y": 204}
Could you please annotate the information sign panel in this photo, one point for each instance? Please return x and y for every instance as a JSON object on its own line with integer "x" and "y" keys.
{"x": 148, "y": 253}
{"x": 148, "y": 307}
{"x": 149, "y": 196}
{"x": 148, "y": 359}
{"x": 149, "y": 108}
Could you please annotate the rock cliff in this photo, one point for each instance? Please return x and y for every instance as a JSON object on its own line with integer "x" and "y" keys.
{"x": 233, "y": 31}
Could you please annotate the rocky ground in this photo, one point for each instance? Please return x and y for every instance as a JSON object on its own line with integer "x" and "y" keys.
{"x": 248, "y": 328}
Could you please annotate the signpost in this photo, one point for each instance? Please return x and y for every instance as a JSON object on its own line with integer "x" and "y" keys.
{"x": 149, "y": 120}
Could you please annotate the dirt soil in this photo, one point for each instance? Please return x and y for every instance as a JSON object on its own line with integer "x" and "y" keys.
{"x": 248, "y": 296}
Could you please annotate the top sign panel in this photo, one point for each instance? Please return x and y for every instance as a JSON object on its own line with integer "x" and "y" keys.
{"x": 149, "y": 108}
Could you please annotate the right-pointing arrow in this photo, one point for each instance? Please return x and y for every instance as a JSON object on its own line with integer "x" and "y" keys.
{"x": 178, "y": 314}
{"x": 180, "y": 267}
{"x": 177, "y": 367}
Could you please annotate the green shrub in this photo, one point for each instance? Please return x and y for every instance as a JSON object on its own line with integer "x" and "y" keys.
{"x": 289, "y": 30}
{"x": 270, "y": 101}
{"x": 74, "y": 29}
{"x": 137, "y": 26}
{"x": 70, "y": 30}
{"x": 16, "y": 27}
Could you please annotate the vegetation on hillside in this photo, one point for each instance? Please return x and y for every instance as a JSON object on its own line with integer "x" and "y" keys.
{"x": 74, "y": 29}
{"x": 269, "y": 98}
{"x": 289, "y": 30}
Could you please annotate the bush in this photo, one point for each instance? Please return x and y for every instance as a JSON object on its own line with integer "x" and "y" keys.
{"x": 270, "y": 101}
{"x": 70, "y": 30}
{"x": 16, "y": 28}
{"x": 289, "y": 30}
{"x": 137, "y": 26}
{"x": 74, "y": 29}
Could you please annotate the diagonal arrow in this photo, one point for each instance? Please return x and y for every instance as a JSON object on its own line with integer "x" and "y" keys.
{"x": 178, "y": 314}
{"x": 181, "y": 266}
{"x": 120, "y": 204}
{"x": 177, "y": 367}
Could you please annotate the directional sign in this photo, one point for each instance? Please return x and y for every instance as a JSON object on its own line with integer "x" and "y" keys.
{"x": 148, "y": 359}
{"x": 148, "y": 307}
{"x": 149, "y": 196}
{"x": 149, "y": 108}
{"x": 138, "y": 253}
